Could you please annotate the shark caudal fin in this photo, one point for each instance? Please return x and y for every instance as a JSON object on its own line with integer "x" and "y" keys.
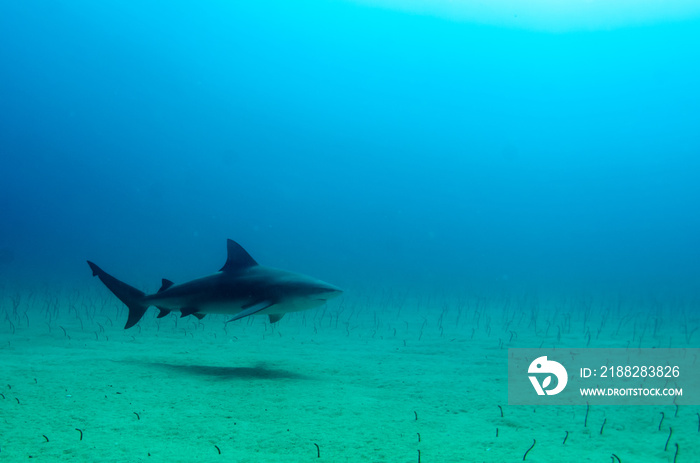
{"x": 132, "y": 297}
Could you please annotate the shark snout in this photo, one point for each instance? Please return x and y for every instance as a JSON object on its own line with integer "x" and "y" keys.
{"x": 327, "y": 291}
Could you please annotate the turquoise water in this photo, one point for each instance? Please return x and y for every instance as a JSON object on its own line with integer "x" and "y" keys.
{"x": 473, "y": 184}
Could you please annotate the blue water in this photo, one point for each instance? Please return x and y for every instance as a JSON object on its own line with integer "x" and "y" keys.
{"x": 366, "y": 146}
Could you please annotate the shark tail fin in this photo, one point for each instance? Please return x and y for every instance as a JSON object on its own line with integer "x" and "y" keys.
{"x": 132, "y": 297}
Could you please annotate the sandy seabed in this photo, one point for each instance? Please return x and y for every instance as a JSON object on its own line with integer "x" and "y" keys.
{"x": 378, "y": 379}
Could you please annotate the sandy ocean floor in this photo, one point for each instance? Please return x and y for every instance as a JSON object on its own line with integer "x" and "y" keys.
{"x": 376, "y": 378}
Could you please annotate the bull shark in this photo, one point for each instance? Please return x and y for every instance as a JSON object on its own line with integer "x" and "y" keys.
{"x": 241, "y": 287}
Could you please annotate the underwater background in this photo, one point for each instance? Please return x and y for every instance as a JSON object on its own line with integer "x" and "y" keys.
{"x": 470, "y": 177}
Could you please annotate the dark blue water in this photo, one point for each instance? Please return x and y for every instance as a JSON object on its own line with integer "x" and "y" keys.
{"x": 368, "y": 147}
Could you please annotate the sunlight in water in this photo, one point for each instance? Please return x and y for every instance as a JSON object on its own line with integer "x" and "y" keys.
{"x": 551, "y": 15}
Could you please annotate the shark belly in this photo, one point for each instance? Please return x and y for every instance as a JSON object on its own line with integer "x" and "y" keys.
{"x": 201, "y": 304}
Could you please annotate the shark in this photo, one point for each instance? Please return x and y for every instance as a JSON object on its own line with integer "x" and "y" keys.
{"x": 241, "y": 288}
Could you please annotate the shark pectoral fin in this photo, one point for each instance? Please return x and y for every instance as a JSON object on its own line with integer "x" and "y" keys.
{"x": 185, "y": 311}
{"x": 275, "y": 317}
{"x": 163, "y": 312}
{"x": 199, "y": 315}
{"x": 253, "y": 309}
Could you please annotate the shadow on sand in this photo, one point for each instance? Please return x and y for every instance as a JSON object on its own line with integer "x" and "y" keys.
{"x": 259, "y": 371}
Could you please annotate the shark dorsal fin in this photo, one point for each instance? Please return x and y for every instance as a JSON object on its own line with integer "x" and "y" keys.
{"x": 238, "y": 258}
{"x": 166, "y": 284}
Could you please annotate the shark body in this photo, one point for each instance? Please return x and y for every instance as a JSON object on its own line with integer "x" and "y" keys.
{"x": 241, "y": 288}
